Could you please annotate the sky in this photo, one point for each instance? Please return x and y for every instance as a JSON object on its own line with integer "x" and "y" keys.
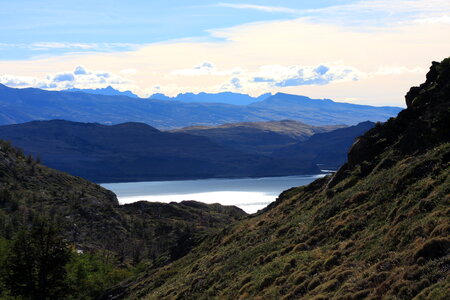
{"x": 365, "y": 52}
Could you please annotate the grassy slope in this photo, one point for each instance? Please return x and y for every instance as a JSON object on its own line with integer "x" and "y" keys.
{"x": 291, "y": 128}
{"x": 379, "y": 228}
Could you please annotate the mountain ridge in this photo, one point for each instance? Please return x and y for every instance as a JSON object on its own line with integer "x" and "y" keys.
{"x": 24, "y": 105}
{"x": 222, "y": 97}
{"x": 137, "y": 152}
{"x": 327, "y": 149}
{"x": 107, "y": 91}
{"x": 258, "y": 137}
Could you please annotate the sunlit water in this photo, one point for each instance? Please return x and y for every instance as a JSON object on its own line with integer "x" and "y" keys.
{"x": 250, "y": 194}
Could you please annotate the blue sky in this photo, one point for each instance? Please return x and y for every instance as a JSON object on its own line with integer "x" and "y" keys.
{"x": 28, "y": 26}
{"x": 343, "y": 50}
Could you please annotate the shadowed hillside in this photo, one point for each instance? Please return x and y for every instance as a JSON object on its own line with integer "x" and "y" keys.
{"x": 137, "y": 152}
{"x": 259, "y": 137}
{"x": 328, "y": 150}
{"x": 378, "y": 228}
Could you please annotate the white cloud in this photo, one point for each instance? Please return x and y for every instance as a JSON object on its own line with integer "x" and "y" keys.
{"x": 206, "y": 68}
{"x": 271, "y": 9}
{"x": 397, "y": 70}
{"x": 128, "y": 71}
{"x": 64, "y": 77}
{"x": 62, "y": 45}
{"x": 80, "y": 70}
{"x": 442, "y": 19}
{"x": 366, "y": 11}
{"x": 18, "y": 81}
{"x": 72, "y": 47}
{"x": 284, "y": 76}
{"x": 234, "y": 85}
{"x": 391, "y": 7}
{"x": 79, "y": 78}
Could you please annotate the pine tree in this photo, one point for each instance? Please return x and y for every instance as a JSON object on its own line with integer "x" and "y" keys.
{"x": 35, "y": 264}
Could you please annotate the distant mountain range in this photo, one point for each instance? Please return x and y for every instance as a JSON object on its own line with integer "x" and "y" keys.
{"x": 258, "y": 137}
{"x": 139, "y": 152}
{"x": 225, "y": 97}
{"x": 107, "y": 91}
{"x": 24, "y": 105}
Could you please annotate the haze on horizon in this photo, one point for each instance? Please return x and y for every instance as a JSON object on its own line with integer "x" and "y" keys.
{"x": 365, "y": 52}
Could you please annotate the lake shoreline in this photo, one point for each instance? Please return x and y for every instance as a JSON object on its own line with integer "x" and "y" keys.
{"x": 249, "y": 194}
{"x": 181, "y": 179}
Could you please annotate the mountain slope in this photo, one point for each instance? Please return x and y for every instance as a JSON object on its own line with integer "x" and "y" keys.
{"x": 24, "y": 105}
{"x": 321, "y": 112}
{"x": 328, "y": 150}
{"x": 136, "y": 152}
{"x": 258, "y": 137}
{"x": 378, "y": 228}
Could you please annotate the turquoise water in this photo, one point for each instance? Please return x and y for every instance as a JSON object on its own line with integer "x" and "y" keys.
{"x": 250, "y": 194}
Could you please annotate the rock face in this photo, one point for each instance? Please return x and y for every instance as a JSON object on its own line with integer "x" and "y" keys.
{"x": 378, "y": 228}
{"x": 424, "y": 124}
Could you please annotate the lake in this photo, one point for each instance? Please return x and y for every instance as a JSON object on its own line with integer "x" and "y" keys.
{"x": 250, "y": 194}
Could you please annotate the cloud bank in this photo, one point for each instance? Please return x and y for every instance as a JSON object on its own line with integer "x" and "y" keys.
{"x": 270, "y": 9}
{"x": 80, "y": 77}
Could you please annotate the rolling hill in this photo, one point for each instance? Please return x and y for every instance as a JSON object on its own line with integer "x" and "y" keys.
{"x": 327, "y": 150}
{"x": 258, "y": 137}
{"x": 137, "y": 152}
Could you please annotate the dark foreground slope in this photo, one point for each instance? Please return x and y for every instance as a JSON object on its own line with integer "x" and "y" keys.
{"x": 136, "y": 152}
{"x": 378, "y": 228}
{"x": 92, "y": 219}
{"x": 259, "y": 137}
